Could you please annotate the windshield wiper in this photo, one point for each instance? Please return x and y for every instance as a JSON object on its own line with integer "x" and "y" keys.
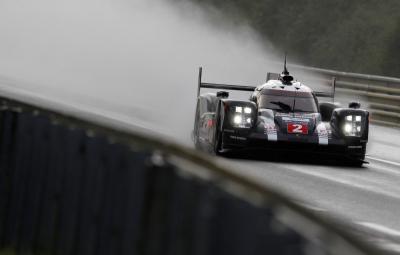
{"x": 283, "y": 106}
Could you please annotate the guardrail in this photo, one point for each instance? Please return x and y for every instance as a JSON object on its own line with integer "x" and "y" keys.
{"x": 382, "y": 93}
{"x": 75, "y": 183}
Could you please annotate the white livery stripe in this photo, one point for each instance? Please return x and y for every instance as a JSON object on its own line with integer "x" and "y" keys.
{"x": 270, "y": 131}
{"x": 270, "y": 128}
{"x": 322, "y": 134}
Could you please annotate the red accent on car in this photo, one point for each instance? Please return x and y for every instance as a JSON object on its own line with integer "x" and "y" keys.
{"x": 226, "y": 107}
{"x": 297, "y": 128}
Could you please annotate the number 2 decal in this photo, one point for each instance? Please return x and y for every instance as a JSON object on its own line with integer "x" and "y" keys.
{"x": 297, "y": 128}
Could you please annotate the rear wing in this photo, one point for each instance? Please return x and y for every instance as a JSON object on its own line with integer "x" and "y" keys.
{"x": 270, "y": 76}
{"x": 202, "y": 84}
{"x": 275, "y": 76}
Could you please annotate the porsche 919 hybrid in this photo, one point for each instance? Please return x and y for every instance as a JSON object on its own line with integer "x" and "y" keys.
{"x": 281, "y": 115}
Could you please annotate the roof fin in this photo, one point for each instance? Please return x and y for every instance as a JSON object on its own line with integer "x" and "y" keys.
{"x": 285, "y": 76}
{"x": 285, "y": 71}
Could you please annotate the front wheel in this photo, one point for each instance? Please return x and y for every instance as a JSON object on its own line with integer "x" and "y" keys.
{"x": 218, "y": 143}
{"x": 358, "y": 160}
{"x": 196, "y": 141}
{"x": 218, "y": 134}
{"x": 356, "y": 163}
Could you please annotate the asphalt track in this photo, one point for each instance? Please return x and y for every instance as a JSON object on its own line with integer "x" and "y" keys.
{"x": 369, "y": 196}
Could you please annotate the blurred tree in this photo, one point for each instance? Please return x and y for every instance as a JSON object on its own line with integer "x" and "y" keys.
{"x": 349, "y": 35}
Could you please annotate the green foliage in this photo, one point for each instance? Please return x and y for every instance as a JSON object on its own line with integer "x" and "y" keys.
{"x": 7, "y": 252}
{"x": 349, "y": 35}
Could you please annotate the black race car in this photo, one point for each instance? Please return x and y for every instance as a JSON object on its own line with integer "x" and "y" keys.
{"x": 281, "y": 114}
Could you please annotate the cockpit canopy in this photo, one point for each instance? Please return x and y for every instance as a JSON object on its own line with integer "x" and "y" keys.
{"x": 287, "y": 101}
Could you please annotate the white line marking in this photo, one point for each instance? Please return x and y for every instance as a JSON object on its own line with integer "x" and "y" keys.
{"x": 387, "y": 170}
{"x": 390, "y": 246}
{"x": 347, "y": 182}
{"x": 384, "y": 161}
{"x": 380, "y": 228}
{"x": 311, "y": 207}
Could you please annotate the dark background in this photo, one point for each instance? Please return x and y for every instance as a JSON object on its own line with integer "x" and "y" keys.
{"x": 346, "y": 35}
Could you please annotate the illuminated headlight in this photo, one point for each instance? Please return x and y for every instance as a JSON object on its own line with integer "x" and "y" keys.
{"x": 242, "y": 117}
{"x": 237, "y": 119}
{"x": 347, "y": 128}
{"x": 352, "y": 126}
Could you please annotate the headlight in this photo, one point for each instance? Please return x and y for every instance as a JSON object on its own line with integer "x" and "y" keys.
{"x": 237, "y": 119}
{"x": 352, "y": 125}
{"x": 347, "y": 128}
{"x": 242, "y": 117}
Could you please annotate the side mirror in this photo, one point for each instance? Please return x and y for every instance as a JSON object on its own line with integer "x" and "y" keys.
{"x": 354, "y": 105}
{"x": 253, "y": 98}
{"x": 223, "y": 94}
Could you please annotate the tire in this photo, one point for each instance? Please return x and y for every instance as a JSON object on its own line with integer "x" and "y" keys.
{"x": 196, "y": 142}
{"x": 195, "y": 135}
{"x": 356, "y": 163}
{"x": 218, "y": 145}
{"x": 218, "y": 135}
{"x": 358, "y": 160}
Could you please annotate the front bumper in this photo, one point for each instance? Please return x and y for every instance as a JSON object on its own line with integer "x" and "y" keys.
{"x": 351, "y": 147}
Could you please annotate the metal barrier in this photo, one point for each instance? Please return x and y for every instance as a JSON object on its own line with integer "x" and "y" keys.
{"x": 73, "y": 183}
{"x": 382, "y": 93}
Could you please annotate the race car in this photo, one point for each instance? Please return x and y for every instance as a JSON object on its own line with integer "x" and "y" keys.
{"x": 282, "y": 115}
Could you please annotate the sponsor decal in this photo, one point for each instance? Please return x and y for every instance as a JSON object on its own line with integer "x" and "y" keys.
{"x": 287, "y": 119}
{"x": 270, "y": 131}
{"x": 210, "y": 123}
{"x": 354, "y": 147}
{"x": 238, "y": 138}
{"x": 303, "y": 116}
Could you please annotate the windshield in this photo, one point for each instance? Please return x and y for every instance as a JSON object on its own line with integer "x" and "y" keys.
{"x": 288, "y": 103}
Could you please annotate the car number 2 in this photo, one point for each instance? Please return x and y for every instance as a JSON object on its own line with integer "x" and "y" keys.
{"x": 297, "y": 128}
